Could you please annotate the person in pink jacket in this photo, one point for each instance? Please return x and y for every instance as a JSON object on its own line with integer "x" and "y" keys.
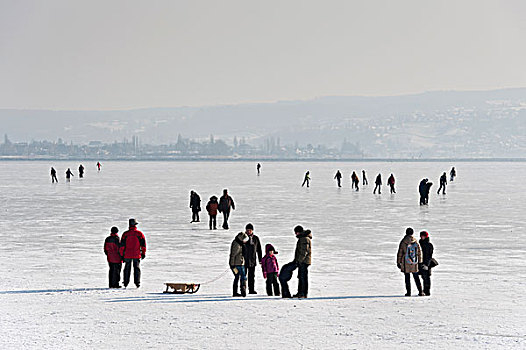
{"x": 270, "y": 267}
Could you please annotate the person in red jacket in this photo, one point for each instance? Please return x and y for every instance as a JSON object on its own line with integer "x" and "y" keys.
{"x": 133, "y": 249}
{"x": 211, "y": 208}
{"x": 391, "y": 183}
{"x": 111, "y": 249}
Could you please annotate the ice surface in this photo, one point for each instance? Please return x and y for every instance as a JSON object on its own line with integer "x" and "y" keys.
{"x": 54, "y": 272}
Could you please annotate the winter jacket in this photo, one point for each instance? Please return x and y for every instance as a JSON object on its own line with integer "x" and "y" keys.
{"x": 225, "y": 203}
{"x": 427, "y": 251}
{"x": 252, "y": 247}
{"x": 195, "y": 202}
{"x": 111, "y": 248}
{"x": 211, "y": 207}
{"x": 443, "y": 180}
{"x": 269, "y": 264}
{"x": 391, "y": 180}
{"x": 400, "y": 258}
{"x": 133, "y": 244}
{"x": 378, "y": 180}
{"x": 236, "y": 250}
{"x": 303, "y": 251}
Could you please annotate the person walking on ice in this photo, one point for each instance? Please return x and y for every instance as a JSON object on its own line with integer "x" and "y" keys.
{"x": 225, "y": 204}
{"x": 258, "y": 167}
{"x": 133, "y": 250}
{"x": 98, "y": 166}
{"x": 378, "y": 183}
{"x": 443, "y": 183}
{"x": 211, "y": 208}
{"x": 407, "y": 259}
{"x": 452, "y": 174}
{"x": 364, "y": 178}
{"x": 237, "y": 264}
{"x": 338, "y": 178}
{"x": 306, "y": 179}
{"x": 270, "y": 267}
{"x": 112, "y": 250}
{"x": 69, "y": 174}
{"x": 391, "y": 183}
{"x": 53, "y": 175}
{"x": 355, "y": 181}
{"x": 81, "y": 171}
{"x": 195, "y": 204}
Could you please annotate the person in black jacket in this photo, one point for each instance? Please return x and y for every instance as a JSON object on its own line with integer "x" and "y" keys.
{"x": 425, "y": 267}
{"x": 378, "y": 183}
{"x": 225, "y": 204}
{"x": 195, "y": 204}
{"x": 338, "y": 178}
{"x": 252, "y": 254}
{"x": 443, "y": 183}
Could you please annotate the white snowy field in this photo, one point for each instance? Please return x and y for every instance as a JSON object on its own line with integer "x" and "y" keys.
{"x": 53, "y": 291}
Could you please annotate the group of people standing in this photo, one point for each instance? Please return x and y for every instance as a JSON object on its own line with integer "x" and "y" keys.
{"x": 245, "y": 254}
{"x": 225, "y": 206}
{"x": 130, "y": 249}
{"x": 69, "y": 173}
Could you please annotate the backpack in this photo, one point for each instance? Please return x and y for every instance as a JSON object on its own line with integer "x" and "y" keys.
{"x": 410, "y": 254}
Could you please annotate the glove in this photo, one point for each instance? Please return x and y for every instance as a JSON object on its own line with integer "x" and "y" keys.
{"x": 399, "y": 265}
{"x": 425, "y": 267}
{"x": 143, "y": 256}
{"x": 234, "y": 270}
{"x": 265, "y": 275}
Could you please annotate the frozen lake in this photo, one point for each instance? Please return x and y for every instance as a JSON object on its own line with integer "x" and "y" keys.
{"x": 54, "y": 273}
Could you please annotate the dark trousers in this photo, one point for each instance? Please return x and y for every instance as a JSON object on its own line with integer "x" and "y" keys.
{"x": 272, "y": 281}
{"x": 195, "y": 215}
{"x": 136, "y": 271}
{"x": 284, "y": 276}
{"x": 115, "y": 274}
{"x": 303, "y": 280}
{"x": 408, "y": 282}
{"x": 365, "y": 182}
{"x": 251, "y": 272}
{"x": 392, "y": 188}
{"x": 426, "y": 278}
{"x": 213, "y": 222}
{"x": 54, "y": 178}
{"x": 339, "y": 182}
{"x": 226, "y": 215}
{"x": 379, "y": 189}
{"x": 306, "y": 181}
{"x": 443, "y": 188}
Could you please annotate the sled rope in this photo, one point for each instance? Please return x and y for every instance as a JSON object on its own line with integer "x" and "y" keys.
{"x": 218, "y": 277}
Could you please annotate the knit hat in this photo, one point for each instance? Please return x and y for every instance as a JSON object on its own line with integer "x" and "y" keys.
{"x": 424, "y": 234}
{"x": 249, "y": 227}
{"x": 298, "y": 229}
{"x": 409, "y": 231}
{"x": 114, "y": 229}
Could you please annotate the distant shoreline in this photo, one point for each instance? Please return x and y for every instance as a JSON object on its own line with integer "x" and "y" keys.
{"x": 262, "y": 159}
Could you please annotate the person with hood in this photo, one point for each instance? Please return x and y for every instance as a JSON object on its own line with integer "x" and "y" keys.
{"x": 195, "y": 204}
{"x": 81, "y": 171}
{"x": 53, "y": 175}
{"x": 452, "y": 174}
{"x": 443, "y": 183}
{"x": 211, "y": 208}
{"x": 426, "y": 265}
{"x": 111, "y": 249}
{"x": 306, "y": 179}
{"x": 302, "y": 258}
{"x": 378, "y": 183}
{"x": 407, "y": 259}
{"x": 338, "y": 178}
{"x": 355, "y": 181}
{"x": 365, "y": 182}
{"x": 270, "y": 267}
{"x": 133, "y": 250}
{"x": 252, "y": 255}
{"x": 391, "y": 183}
{"x": 237, "y": 264}
{"x": 226, "y": 203}
{"x": 69, "y": 174}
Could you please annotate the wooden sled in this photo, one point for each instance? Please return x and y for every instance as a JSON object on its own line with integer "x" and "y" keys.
{"x": 182, "y": 288}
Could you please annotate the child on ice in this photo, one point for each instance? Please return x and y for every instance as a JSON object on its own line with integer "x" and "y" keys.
{"x": 270, "y": 267}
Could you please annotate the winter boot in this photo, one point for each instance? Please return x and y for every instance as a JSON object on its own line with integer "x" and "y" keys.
{"x": 244, "y": 288}
{"x": 235, "y": 290}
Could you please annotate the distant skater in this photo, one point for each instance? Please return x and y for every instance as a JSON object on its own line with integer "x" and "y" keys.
{"x": 111, "y": 249}
{"x": 258, "y": 167}
{"x": 306, "y": 180}
{"x": 211, "y": 208}
{"x": 443, "y": 183}
{"x": 69, "y": 174}
{"x": 378, "y": 183}
{"x": 53, "y": 175}
{"x": 355, "y": 181}
{"x": 98, "y": 165}
{"x": 423, "y": 189}
{"x": 226, "y": 203}
{"x": 338, "y": 178}
{"x": 195, "y": 204}
{"x": 452, "y": 174}
{"x": 391, "y": 183}
{"x": 81, "y": 171}
{"x": 365, "y": 182}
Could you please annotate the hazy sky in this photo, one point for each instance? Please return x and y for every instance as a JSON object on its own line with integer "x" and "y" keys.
{"x": 126, "y": 54}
